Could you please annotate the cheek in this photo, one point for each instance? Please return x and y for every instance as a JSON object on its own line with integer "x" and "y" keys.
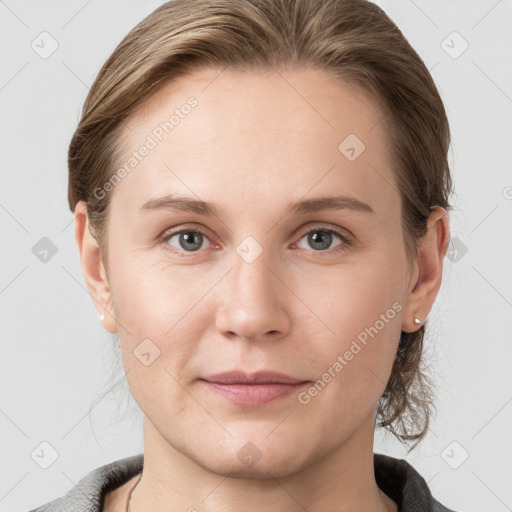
{"x": 353, "y": 372}
{"x": 356, "y": 297}
{"x": 161, "y": 313}
{"x": 150, "y": 294}
{"x": 364, "y": 311}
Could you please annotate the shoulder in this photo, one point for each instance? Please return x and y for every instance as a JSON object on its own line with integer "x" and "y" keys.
{"x": 402, "y": 483}
{"x": 89, "y": 493}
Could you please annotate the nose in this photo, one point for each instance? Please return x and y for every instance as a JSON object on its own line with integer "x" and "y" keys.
{"x": 254, "y": 302}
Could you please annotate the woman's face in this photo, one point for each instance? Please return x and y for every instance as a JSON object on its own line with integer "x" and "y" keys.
{"x": 245, "y": 287}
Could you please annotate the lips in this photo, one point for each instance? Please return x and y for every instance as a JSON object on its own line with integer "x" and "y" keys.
{"x": 261, "y": 377}
{"x": 253, "y": 389}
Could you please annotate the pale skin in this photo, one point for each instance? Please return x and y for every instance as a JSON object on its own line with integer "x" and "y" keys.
{"x": 253, "y": 146}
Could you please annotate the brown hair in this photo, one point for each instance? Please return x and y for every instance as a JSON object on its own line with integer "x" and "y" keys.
{"x": 351, "y": 39}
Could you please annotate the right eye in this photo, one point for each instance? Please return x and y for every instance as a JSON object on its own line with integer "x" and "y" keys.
{"x": 187, "y": 240}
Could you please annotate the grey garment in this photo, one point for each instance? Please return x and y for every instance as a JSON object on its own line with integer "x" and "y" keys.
{"x": 395, "y": 477}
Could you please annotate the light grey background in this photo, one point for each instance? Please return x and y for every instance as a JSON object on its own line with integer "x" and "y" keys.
{"x": 57, "y": 358}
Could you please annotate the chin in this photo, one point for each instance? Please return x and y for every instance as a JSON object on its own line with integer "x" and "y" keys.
{"x": 263, "y": 469}
{"x": 253, "y": 456}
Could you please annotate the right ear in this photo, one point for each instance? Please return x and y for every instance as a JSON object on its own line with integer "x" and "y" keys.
{"x": 93, "y": 268}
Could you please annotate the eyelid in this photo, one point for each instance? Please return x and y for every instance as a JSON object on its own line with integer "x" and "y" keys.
{"x": 343, "y": 232}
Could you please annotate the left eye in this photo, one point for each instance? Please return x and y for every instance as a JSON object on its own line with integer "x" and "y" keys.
{"x": 321, "y": 238}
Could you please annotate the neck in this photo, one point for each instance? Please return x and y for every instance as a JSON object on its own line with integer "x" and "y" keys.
{"x": 342, "y": 480}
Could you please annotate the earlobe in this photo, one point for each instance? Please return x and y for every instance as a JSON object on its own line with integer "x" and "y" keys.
{"x": 428, "y": 269}
{"x": 93, "y": 269}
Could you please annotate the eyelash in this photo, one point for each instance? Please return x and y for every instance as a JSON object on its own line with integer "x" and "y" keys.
{"x": 345, "y": 239}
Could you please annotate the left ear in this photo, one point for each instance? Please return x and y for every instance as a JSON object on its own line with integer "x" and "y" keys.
{"x": 428, "y": 270}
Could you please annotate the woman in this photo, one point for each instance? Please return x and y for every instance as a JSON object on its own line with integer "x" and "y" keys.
{"x": 260, "y": 191}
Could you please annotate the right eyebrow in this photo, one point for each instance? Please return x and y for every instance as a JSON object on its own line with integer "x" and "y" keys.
{"x": 171, "y": 202}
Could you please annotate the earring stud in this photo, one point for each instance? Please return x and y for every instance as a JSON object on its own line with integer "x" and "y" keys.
{"x": 417, "y": 320}
{"x": 102, "y": 316}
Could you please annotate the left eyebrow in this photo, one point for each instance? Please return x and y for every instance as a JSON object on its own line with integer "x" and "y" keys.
{"x": 339, "y": 202}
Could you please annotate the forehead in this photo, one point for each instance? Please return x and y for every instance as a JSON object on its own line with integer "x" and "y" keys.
{"x": 255, "y": 133}
{"x": 261, "y": 97}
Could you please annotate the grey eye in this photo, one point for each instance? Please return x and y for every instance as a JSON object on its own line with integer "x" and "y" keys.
{"x": 189, "y": 240}
{"x": 320, "y": 239}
